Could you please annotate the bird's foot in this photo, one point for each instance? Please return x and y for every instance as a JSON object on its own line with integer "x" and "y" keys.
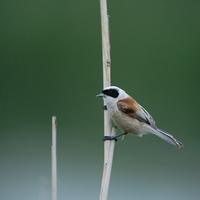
{"x": 105, "y": 107}
{"x": 110, "y": 138}
{"x": 115, "y": 138}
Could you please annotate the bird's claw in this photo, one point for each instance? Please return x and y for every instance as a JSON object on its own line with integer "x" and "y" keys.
{"x": 105, "y": 107}
{"x": 114, "y": 137}
{"x": 110, "y": 138}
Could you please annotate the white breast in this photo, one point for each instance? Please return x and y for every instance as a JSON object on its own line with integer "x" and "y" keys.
{"x": 124, "y": 122}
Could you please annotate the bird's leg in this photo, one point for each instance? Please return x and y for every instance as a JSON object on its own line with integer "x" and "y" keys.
{"x": 113, "y": 137}
{"x": 105, "y": 107}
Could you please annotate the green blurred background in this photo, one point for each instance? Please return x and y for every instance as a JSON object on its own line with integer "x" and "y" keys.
{"x": 50, "y": 64}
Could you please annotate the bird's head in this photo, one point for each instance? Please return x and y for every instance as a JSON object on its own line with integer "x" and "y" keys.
{"x": 112, "y": 94}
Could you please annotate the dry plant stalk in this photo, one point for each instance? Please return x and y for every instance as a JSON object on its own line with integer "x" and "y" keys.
{"x": 54, "y": 160}
{"x": 108, "y": 131}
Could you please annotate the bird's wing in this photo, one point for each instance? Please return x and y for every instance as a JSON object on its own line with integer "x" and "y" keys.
{"x": 145, "y": 116}
{"x": 134, "y": 110}
{"x": 128, "y": 106}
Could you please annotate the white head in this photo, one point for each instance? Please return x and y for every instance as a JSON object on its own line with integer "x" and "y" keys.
{"x": 112, "y": 94}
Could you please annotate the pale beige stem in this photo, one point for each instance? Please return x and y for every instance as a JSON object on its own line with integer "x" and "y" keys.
{"x": 53, "y": 161}
{"x": 108, "y": 145}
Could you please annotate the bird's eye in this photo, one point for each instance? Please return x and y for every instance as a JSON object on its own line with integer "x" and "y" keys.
{"x": 111, "y": 92}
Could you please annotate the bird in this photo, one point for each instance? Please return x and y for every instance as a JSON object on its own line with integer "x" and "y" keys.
{"x": 128, "y": 116}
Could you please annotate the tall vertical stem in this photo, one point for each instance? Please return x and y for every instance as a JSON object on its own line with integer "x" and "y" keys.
{"x": 54, "y": 160}
{"x": 108, "y": 145}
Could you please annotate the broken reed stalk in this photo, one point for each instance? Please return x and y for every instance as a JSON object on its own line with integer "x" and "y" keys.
{"x": 108, "y": 131}
{"x": 53, "y": 161}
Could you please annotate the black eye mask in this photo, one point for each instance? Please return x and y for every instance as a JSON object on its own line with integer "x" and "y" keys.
{"x": 111, "y": 92}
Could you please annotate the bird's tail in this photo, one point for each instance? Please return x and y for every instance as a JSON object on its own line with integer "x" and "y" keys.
{"x": 168, "y": 138}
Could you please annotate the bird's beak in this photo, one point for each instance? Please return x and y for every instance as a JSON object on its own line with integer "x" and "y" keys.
{"x": 100, "y": 95}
